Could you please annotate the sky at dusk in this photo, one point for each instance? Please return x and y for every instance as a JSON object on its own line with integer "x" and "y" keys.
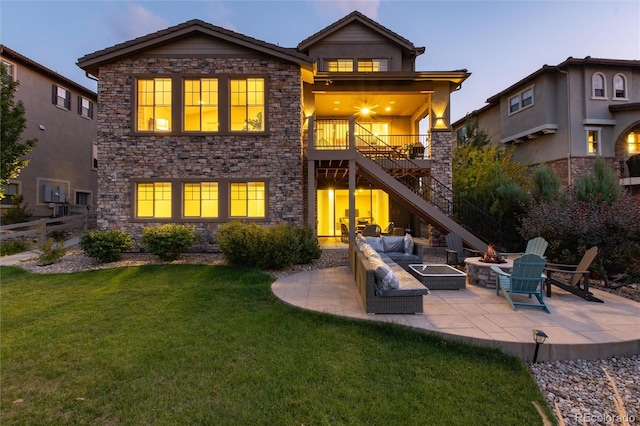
{"x": 499, "y": 42}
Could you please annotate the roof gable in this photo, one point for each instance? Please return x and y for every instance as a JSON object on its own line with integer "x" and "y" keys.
{"x": 175, "y": 35}
{"x": 357, "y": 18}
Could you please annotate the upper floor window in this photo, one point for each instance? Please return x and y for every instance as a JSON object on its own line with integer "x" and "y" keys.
{"x": 201, "y": 105}
{"x": 154, "y": 105}
{"x": 619, "y": 87}
{"x": 8, "y": 71}
{"x": 85, "y": 107}
{"x": 200, "y": 199}
{"x": 593, "y": 141}
{"x": 61, "y": 97}
{"x": 247, "y": 199}
{"x": 597, "y": 86}
{"x": 247, "y": 104}
{"x": 521, "y": 101}
{"x": 372, "y": 65}
{"x": 340, "y": 65}
{"x": 153, "y": 200}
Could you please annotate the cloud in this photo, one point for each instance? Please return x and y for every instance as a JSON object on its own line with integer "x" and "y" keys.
{"x": 134, "y": 22}
{"x": 369, "y": 8}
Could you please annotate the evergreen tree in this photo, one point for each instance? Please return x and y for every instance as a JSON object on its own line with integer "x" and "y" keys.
{"x": 601, "y": 185}
{"x": 12, "y": 124}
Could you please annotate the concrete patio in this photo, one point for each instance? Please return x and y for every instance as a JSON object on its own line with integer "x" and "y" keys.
{"x": 577, "y": 329}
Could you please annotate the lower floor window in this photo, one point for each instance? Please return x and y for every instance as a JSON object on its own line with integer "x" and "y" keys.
{"x": 154, "y": 200}
{"x": 10, "y": 190}
{"x": 593, "y": 140}
{"x": 83, "y": 198}
{"x": 247, "y": 199}
{"x": 185, "y": 200}
{"x": 201, "y": 199}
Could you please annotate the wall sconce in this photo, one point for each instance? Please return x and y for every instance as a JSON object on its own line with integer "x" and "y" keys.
{"x": 42, "y": 127}
{"x": 539, "y": 337}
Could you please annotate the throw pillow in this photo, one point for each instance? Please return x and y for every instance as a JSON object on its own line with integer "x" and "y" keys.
{"x": 386, "y": 278}
{"x": 408, "y": 244}
{"x": 393, "y": 244}
{"x": 375, "y": 243}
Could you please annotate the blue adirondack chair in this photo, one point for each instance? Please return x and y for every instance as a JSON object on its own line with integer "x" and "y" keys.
{"x": 526, "y": 278}
{"x": 537, "y": 245}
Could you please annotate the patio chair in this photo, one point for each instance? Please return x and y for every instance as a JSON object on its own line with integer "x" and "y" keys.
{"x": 456, "y": 252}
{"x": 573, "y": 278}
{"x": 372, "y": 230}
{"x": 526, "y": 278}
{"x": 537, "y": 245}
{"x": 389, "y": 229}
{"x": 344, "y": 233}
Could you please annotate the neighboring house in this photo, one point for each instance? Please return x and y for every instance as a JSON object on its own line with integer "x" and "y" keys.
{"x": 61, "y": 177}
{"x": 202, "y": 125}
{"x": 565, "y": 115}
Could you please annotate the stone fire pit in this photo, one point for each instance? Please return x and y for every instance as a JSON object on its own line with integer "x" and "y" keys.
{"x": 479, "y": 273}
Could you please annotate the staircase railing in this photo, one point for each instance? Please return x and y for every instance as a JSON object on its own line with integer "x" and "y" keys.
{"x": 429, "y": 188}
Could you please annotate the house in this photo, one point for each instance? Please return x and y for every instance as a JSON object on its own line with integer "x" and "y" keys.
{"x": 201, "y": 125}
{"x": 61, "y": 177}
{"x": 565, "y": 115}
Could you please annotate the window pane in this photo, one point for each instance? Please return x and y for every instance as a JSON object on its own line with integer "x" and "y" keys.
{"x": 154, "y": 104}
{"x": 593, "y": 137}
{"x": 255, "y": 197}
{"x": 598, "y": 85}
{"x": 154, "y": 200}
{"x": 145, "y": 200}
{"x": 192, "y": 199}
{"x": 618, "y": 87}
{"x": 247, "y": 105}
{"x": 209, "y": 199}
{"x": 201, "y": 105}
{"x": 527, "y": 97}
{"x": 238, "y": 195}
{"x": 514, "y": 104}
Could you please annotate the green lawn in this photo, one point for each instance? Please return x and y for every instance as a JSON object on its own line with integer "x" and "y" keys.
{"x": 210, "y": 345}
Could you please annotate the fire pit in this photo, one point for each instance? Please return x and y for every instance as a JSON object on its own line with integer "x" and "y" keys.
{"x": 479, "y": 270}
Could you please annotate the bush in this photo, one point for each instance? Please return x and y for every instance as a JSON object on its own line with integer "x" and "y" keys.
{"x": 106, "y": 245}
{"x": 19, "y": 213}
{"x": 51, "y": 252}
{"x": 12, "y": 247}
{"x": 267, "y": 248}
{"x": 168, "y": 241}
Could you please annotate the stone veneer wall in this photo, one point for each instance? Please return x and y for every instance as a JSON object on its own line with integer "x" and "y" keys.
{"x": 580, "y": 166}
{"x": 123, "y": 155}
{"x": 440, "y": 150}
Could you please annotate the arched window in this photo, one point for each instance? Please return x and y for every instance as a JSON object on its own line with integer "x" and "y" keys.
{"x": 598, "y": 89}
{"x": 619, "y": 87}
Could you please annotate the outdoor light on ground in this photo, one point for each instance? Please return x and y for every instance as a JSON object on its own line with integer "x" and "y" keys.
{"x": 539, "y": 337}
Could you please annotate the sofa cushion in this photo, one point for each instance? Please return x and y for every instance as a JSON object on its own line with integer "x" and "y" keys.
{"x": 401, "y": 256}
{"x": 392, "y": 244}
{"x": 406, "y": 287}
{"x": 408, "y": 244}
{"x": 386, "y": 279}
{"x": 375, "y": 243}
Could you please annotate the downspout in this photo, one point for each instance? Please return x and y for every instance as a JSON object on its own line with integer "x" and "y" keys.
{"x": 569, "y": 177}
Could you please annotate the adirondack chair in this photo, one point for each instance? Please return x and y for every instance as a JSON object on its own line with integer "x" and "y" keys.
{"x": 526, "y": 278}
{"x": 537, "y": 245}
{"x": 577, "y": 281}
{"x": 456, "y": 252}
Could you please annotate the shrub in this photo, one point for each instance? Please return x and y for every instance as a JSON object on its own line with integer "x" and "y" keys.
{"x": 168, "y": 241}
{"x": 19, "y": 213}
{"x": 51, "y": 252}
{"x": 106, "y": 245}
{"x": 12, "y": 247}
{"x": 277, "y": 247}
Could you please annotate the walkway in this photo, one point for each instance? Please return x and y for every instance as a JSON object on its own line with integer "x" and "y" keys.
{"x": 577, "y": 329}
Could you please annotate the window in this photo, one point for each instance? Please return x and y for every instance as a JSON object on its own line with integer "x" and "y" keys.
{"x": 201, "y": 105}
{"x": 200, "y": 199}
{"x": 521, "y": 101}
{"x": 598, "y": 87}
{"x": 247, "y": 104}
{"x": 8, "y": 72}
{"x": 61, "y": 97}
{"x": 372, "y": 65}
{"x": 94, "y": 152}
{"x": 247, "y": 199}
{"x": 83, "y": 198}
{"x": 633, "y": 143}
{"x": 85, "y": 107}
{"x": 154, "y": 105}
{"x": 10, "y": 190}
{"x": 619, "y": 87}
{"x": 340, "y": 65}
{"x": 153, "y": 200}
{"x": 593, "y": 141}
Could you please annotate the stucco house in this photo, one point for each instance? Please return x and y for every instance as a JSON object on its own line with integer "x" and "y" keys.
{"x": 61, "y": 177}
{"x": 565, "y": 115}
{"x": 201, "y": 125}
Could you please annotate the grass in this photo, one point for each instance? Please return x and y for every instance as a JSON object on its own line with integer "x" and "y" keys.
{"x": 191, "y": 344}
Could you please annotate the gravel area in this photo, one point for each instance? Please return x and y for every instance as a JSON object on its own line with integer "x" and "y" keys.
{"x": 581, "y": 389}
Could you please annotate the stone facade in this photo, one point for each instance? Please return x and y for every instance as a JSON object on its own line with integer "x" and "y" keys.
{"x": 273, "y": 156}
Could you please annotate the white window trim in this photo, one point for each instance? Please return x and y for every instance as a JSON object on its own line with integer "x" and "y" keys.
{"x": 519, "y": 96}
{"x": 586, "y": 135}
{"x": 626, "y": 88}
{"x": 604, "y": 87}
{"x": 14, "y": 76}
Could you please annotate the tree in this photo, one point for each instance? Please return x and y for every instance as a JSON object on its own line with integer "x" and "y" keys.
{"x": 12, "y": 124}
{"x": 545, "y": 185}
{"x": 601, "y": 185}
